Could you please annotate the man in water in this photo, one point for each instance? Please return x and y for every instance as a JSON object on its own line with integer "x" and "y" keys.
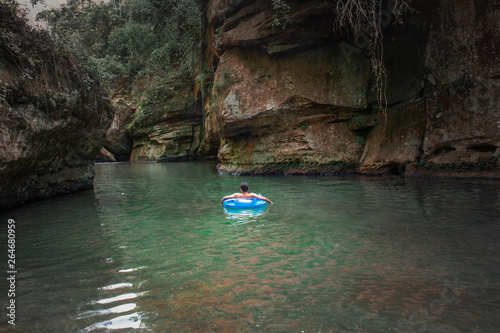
{"x": 244, "y": 194}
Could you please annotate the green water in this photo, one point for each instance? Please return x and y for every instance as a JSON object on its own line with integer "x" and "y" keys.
{"x": 152, "y": 250}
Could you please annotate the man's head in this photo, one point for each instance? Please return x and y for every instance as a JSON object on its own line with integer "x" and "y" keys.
{"x": 244, "y": 187}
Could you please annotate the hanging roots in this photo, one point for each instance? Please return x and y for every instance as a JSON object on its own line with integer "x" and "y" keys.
{"x": 368, "y": 18}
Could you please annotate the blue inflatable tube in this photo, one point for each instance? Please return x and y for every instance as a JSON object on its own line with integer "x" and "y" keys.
{"x": 242, "y": 203}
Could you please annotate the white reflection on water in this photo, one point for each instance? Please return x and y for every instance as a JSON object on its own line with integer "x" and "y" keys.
{"x": 133, "y": 320}
{"x": 243, "y": 216}
{"x": 116, "y": 286}
{"x": 118, "y": 298}
{"x": 128, "y": 270}
{"x": 117, "y": 309}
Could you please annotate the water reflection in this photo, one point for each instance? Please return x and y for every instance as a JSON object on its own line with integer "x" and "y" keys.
{"x": 117, "y": 309}
{"x": 117, "y": 286}
{"x": 131, "y": 321}
{"x": 243, "y": 216}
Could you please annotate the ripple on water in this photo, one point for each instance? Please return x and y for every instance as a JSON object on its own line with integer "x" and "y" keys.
{"x": 130, "y": 317}
{"x": 333, "y": 254}
{"x": 119, "y": 298}
{"x": 117, "y": 309}
{"x": 117, "y": 286}
{"x": 128, "y": 270}
{"x": 133, "y": 321}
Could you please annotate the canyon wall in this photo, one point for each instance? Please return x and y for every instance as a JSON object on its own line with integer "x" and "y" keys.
{"x": 170, "y": 127}
{"x": 278, "y": 91}
{"x": 291, "y": 96}
{"x": 53, "y": 116}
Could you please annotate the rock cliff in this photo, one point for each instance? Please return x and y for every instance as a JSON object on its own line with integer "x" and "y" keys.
{"x": 118, "y": 144}
{"x": 53, "y": 116}
{"x": 278, "y": 90}
{"x": 170, "y": 126}
{"x": 291, "y": 96}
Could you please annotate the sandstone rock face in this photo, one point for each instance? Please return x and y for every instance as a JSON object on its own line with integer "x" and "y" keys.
{"x": 457, "y": 117}
{"x": 256, "y": 24}
{"x": 282, "y": 97}
{"x": 394, "y": 145}
{"x": 300, "y": 99}
{"x": 463, "y": 114}
{"x": 51, "y": 124}
{"x": 105, "y": 155}
{"x": 170, "y": 130}
{"x": 118, "y": 144}
{"x": 288, "y": 111}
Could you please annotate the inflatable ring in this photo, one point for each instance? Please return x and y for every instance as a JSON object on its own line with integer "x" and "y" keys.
{"x": 244, "y": 203}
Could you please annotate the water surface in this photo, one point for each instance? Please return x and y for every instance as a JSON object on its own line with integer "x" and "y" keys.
{"x": 152, "y": 250}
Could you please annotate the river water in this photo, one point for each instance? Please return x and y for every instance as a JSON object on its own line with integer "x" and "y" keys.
{"x": 152, "y": 250}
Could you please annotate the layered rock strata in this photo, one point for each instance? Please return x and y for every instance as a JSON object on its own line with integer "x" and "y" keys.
{"x": 170, "y": 130}
{"x": 291, "y": 96}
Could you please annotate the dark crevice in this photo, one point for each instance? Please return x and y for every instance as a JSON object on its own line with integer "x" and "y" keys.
{"x": 483, "y": 148}
{"x": 443, "y": 148}
{"x": 421, "y": 151}
{"x": 398, "y": 169}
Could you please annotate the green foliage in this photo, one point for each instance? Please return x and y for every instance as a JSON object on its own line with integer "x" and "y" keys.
{"x": 44, "y": 67}
{"x": 282, "y": 9}
{"x": 132, "y": 43}
{"x": 132, "y": 38}
{"x": 110, "y": 67}
{"x": 161, "y": 96}
{"x": 82, "y": 25}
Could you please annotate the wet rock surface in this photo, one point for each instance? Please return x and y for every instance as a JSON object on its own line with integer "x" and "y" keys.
{"x": 299, "y": 99}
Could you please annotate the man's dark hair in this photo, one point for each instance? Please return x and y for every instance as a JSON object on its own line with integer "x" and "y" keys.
{"x": 244, "y": 186}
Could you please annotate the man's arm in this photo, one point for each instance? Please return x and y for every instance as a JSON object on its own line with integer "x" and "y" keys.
{"x": 228, "y": 197}
{"x": 261, "y": 197}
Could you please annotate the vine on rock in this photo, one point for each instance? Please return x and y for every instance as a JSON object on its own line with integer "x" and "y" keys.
{"x": 363, "y": 20}
{"x": 282, "y": 8}
{"x": 367, "y": 18}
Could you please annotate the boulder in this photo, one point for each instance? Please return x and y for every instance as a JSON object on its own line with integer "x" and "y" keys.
{"x": 118, "y": 143}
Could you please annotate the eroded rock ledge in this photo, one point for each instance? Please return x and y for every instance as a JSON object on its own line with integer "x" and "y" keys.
{"x": 301, "y": 99}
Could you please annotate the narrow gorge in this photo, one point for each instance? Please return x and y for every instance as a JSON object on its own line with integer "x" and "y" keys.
{"x": 275, "y": 91}
{"x": 300, "y": 98}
